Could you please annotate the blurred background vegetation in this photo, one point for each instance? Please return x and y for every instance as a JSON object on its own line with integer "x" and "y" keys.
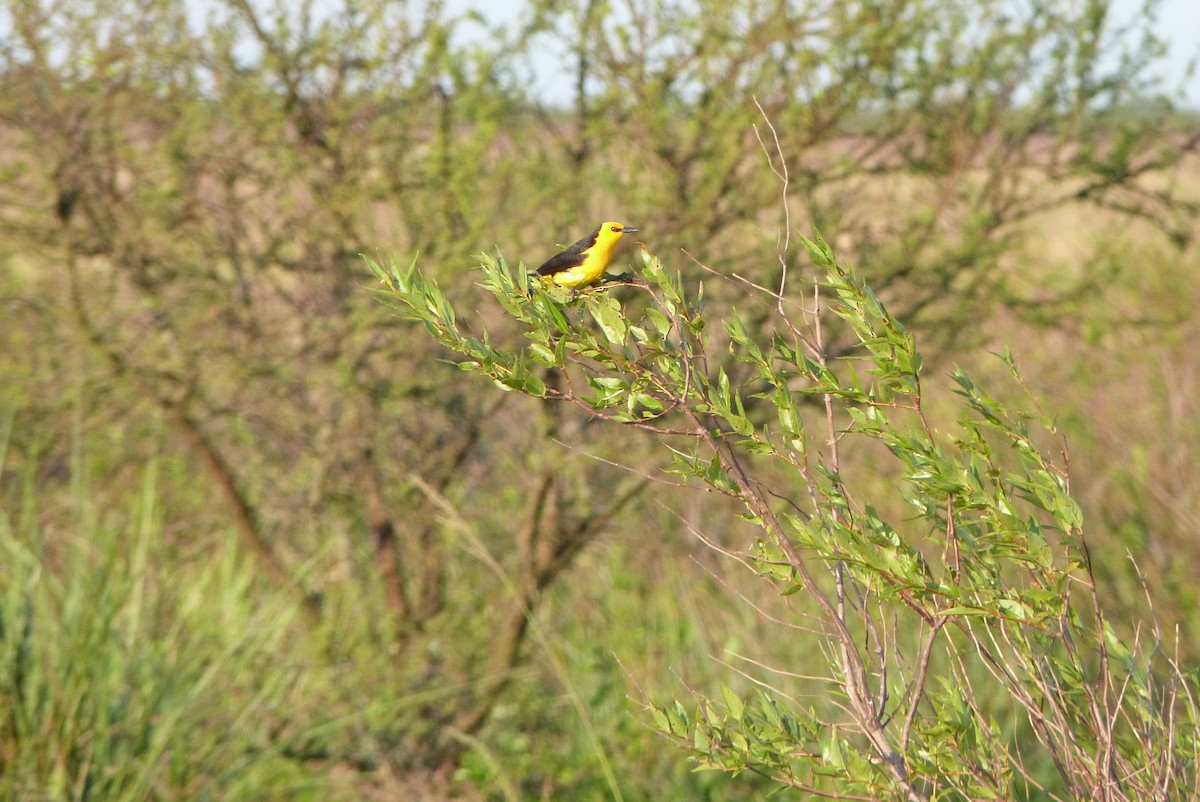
{"x": 259, "y": 542}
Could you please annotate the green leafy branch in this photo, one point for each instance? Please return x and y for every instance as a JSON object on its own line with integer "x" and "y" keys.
{"x": 967, "y": 651}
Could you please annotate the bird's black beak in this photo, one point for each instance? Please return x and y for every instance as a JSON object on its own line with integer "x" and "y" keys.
{"x": 629, "y": 230}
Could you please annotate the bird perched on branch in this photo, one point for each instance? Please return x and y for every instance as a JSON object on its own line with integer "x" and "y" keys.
{"x": 584, "y": 262}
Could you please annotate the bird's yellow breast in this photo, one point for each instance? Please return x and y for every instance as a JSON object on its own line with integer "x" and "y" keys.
{"x": 596, "y": 260}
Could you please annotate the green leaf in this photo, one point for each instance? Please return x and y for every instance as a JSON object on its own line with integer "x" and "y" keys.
{"x": 1013, "y": 608}
{"x": 715, "y": 475}
{"x": 533, "y": 385}
{"x": 658, "y": 320}
{"x": 544, "y": 355}
{"x": 1116, "y": 647}
{"x": 736, "y": 706}
{"x": 660, "y": 720}
{"x": 607, "y": 313}
{"x": 651, "y": 404}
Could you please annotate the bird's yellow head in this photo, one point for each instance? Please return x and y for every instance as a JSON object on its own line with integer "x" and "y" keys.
{"x": 613, "y": 231}
{"x": 609, "y": 234}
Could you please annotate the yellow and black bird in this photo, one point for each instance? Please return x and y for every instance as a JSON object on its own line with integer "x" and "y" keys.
{"x": 584, "y": 262}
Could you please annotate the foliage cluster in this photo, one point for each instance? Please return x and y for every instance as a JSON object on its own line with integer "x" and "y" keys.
{"x": 972, "y": 662}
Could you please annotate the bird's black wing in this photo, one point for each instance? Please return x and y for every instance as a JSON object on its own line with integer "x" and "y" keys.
{"x": 571, "y": 257}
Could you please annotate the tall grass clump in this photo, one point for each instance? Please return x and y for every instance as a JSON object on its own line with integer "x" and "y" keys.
{"x": 126, "y": 674}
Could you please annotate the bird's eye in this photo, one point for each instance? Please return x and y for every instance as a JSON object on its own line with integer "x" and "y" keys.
{"x": 616, "y": 229}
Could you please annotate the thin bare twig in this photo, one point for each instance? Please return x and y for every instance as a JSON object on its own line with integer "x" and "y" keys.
{"x": 782, "y": 173}
{"x": 917, "y": 692}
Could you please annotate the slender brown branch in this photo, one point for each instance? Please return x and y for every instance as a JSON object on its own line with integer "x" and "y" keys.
{"x": 854, "y": 672}
{"x": 243, "y": 515}
{"x": 383, "y": 537}
{"x": 917, "y": 692}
